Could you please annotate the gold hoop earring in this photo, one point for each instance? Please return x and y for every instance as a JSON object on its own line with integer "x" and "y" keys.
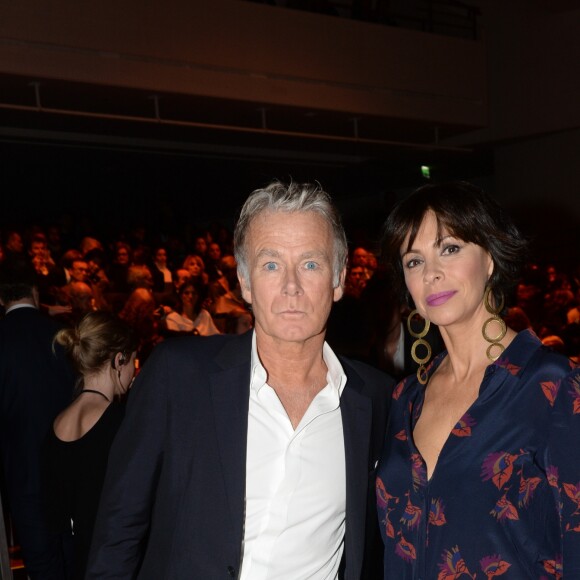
{"x": 422, "y": 376}
{"x": 494, "y": 341}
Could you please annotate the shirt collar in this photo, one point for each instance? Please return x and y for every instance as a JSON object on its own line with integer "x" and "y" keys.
{"x": 519, "y": 352}
{"x": 335, "y": 375}
{"x": 17, "y": 306}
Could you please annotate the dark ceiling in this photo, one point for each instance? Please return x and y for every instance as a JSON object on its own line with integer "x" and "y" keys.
{"x": 117, "y": 154}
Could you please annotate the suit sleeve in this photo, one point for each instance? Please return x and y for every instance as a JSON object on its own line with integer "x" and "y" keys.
{"x": 135, "y": 461}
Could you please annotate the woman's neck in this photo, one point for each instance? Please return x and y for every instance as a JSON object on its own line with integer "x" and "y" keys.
{"x": 467, "y": 349}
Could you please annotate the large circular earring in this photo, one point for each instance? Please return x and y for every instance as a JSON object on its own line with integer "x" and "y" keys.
{"x": 495, "y": 341}
{"x": 422, "y": 376}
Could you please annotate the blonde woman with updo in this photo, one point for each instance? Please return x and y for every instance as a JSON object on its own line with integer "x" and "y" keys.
{"x": 102, "y": 349}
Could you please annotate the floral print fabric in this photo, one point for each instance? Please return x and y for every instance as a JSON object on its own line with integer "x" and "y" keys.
{"x": 504, "y": 498}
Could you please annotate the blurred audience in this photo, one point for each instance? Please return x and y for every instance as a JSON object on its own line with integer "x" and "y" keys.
{"x": 547, "y": 298}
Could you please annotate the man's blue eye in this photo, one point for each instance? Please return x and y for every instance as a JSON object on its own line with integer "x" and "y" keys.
{"x": 270, "y": 266}
{"x": 310, "y": 265}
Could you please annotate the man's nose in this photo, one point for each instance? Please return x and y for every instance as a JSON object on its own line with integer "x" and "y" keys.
{"x": 292, "y": 286}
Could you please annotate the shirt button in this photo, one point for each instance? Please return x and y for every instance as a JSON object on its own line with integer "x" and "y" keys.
{"x": 231, "y": 571}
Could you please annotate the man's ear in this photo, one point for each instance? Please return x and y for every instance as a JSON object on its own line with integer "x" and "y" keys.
{"x": 245, "y": 288}
{"x": 339, "y": 290}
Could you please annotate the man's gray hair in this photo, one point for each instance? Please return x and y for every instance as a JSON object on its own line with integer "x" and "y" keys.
{"x": 292, "y": 198}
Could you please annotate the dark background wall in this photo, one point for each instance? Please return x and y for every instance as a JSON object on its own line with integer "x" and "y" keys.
{"x": 250, "y": 92}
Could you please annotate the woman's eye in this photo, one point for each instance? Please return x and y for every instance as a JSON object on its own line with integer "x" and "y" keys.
{"x": 412, "y": 263}
{"x": 451, "y": 249}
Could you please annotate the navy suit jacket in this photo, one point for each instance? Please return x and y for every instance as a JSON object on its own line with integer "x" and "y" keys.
{"x": 35, "y": 385}
{"x": 173, "y": 501}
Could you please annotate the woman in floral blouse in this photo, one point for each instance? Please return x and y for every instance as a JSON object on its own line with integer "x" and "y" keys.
{"x": 480, "y": 475}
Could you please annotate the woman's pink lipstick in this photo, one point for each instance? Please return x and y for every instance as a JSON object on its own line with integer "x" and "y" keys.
{"x": 439, "y": 298}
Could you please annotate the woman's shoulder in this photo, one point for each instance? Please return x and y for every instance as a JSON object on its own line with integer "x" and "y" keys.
{"x": 545, "y": 358}
{"x": 79, "y": 422}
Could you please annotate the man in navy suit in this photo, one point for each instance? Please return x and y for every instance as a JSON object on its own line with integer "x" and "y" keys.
{"x": 252, "y": 456}
{"x": 35, "y": 385}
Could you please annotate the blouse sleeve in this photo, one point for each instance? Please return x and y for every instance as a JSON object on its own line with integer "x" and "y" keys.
{"x": 563, "y": 468}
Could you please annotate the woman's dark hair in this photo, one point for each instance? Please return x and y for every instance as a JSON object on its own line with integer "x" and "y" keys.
{"x": 201, "y": 291}
{"x": 466, "y": 212}
{"x": 95, "y": 341}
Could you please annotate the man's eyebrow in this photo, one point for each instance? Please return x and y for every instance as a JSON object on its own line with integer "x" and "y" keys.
{"x": 314, "y": 254}
{"x": 268, "y": 253}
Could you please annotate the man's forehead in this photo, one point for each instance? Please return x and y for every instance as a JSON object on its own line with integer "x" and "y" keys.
{"x": 264, "y": 221}
{"x": 289, "y": 231}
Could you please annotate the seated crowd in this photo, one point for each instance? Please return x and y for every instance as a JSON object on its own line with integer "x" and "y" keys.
{"x": 159, "y": 291}
{"x": 166, "y": 289}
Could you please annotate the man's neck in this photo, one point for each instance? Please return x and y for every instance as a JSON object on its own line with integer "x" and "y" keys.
{"x": 22, "y": 303}
{"x": 296, "y": 365}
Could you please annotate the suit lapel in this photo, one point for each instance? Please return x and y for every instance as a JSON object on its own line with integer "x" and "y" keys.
{"x": 356, "y": 410}
{"x": 230, "y": 389}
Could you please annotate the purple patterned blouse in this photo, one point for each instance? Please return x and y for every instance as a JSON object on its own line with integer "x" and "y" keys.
{"x": 504, "y": 498}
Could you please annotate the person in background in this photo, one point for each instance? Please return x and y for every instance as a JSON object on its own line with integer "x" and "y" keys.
{"x": 200, "y": 247}
{"x": 118, "y": 267}
{"x": 356, "y": 280}
{"x": 88, "y": 244}
{"x": 180, "y": 276}
{"x": 481, "y": 466}
{"x": 189, "y": 316}
{"x": 14, "y": 246}
{"x": 195, "y": 265}
{"x": 54, "y": 241}
{"x": 252, "y": 456}
{"x": 79, "y": 270}
{"x": 102, "y": 350}
{"x": 42, "y": 262}
{"x": 97, "y": 277}
{"x": 212, "y": 261}
{"x": 40, "y": 254}
{"x": 67, "y": 260}
{"x": 35, "y": 385}
{"x": 144, "y": 315}
{"x": 80, "y": 299}
{"x": 162, "y": 273}
{"x": 225, "y": 301}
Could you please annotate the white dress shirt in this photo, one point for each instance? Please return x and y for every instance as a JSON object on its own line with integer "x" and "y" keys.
{"x": 203, "y": 323}
{"x": 295, "y": 482}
